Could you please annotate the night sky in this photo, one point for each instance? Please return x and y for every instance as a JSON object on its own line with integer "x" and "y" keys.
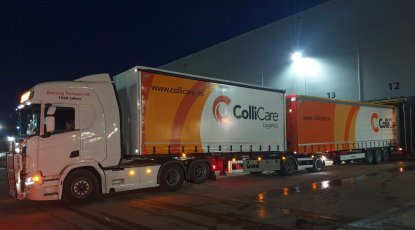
{"x": 64, "y": 40}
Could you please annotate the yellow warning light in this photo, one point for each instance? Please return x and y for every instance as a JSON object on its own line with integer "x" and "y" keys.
{"x": 184, "y": 155}
{"x": 148, "y": 171}
{"x": 259, "y": 158}
{"x": 132, "y": 172}
{"x": 233, "y": 159}
{"x": 283, "y": 158}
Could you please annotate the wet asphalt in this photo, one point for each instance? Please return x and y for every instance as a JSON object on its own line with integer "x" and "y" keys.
{"x": 354, "y": 196}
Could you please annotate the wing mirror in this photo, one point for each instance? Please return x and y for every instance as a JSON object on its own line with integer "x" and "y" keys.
{"x": 50, "y": 119}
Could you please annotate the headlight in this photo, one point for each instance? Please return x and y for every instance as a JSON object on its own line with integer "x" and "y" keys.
{"x": 324, "y": 158}
{"x": 34, "y": 179}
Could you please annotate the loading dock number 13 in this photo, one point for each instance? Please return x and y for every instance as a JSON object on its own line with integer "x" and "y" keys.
{"x": 331, "y": 95}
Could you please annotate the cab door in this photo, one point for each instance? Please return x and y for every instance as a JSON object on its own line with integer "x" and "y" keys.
{"x": 60, "y": 145}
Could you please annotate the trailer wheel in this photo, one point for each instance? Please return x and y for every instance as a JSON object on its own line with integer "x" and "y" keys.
{"x": 385, "y": 154}
{"x": 318, "y": 164}
{"x": 199, "y": 172}
{"x": 171, "y": 178}
{"x": 80, "y": 186}
{"x": 369, "y": 156}
{"x": 288, "y": 167}
{"x": 377, "y": 157}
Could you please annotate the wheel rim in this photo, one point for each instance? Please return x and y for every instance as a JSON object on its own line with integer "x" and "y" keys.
{"x": 200, "y": 171}
{"x": 319, "y": 164}
{"x": 369, "y": 156}
{"x": 81, "y": 187}
{"x": 378, "y": 156}
{"x": 385, "y": 155}
{"x": 172, "y": 177}
{"x": 290, "y": 166}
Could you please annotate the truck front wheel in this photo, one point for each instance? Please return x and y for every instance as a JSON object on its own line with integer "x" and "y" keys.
{"x": 80, "y": 186}
{"x": 171, "y": 177}
{"x": 199, "y": 172}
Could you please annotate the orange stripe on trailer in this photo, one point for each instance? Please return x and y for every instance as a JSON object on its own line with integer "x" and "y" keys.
{"x": 182, "y": 112}
{"x": 349, "y": 131}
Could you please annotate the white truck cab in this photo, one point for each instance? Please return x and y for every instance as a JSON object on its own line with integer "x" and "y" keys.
{"x": 68, "y": 144}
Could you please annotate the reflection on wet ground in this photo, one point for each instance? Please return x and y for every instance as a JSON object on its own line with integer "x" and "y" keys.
{"x": 306, "y": 216}
{"x": 327, "y": 184}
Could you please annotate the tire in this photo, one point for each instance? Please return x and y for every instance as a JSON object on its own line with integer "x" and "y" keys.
{"x": 288, "y": 167}
{"x": 369, "y": 156}
{"x": 81, "y": 186}
{"x": 385, "y": 154}
{"x": 171, "y": 177}
{"x": 199, "y": 172}
{"x": 318, "y": 165}
{"x": 377, "y": 156}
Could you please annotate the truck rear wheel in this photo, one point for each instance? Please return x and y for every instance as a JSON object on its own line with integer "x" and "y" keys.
{"x": 288, "y": 167}
{"x": 369, "y": 156}
{"x": 80, "y": 186}
{"x": 199, "y": 172}
{"x": 171, "y": 178}
{"x": 377, "y": 157}
{"x": 385, "y": 154}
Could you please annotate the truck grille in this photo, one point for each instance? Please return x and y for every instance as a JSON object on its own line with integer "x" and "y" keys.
{"x": 11, "y": 175}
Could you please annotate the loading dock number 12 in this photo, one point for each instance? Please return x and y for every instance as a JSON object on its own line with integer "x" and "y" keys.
{"x": 394, "y": 85}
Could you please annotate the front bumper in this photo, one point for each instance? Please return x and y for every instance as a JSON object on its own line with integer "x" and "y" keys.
{"x": 47, "y": 190}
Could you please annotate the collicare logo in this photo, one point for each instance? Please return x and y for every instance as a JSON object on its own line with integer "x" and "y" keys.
{"x": 379, "y": 123}
{"x": 375, "y": 116}
{"x": 215, "y": 108}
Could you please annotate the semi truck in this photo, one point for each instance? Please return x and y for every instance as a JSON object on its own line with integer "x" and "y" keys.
{"x": 143, "y": 128}
{"x": 149, "y": 127}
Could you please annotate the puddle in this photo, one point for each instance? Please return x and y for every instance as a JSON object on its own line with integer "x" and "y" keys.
{"x": 328, "y": 184}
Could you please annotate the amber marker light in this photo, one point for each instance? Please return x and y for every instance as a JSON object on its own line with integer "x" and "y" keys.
{"x": 37, "y": 179}
{"x": 132, "y": 172}
{"x": 148, "y": 171}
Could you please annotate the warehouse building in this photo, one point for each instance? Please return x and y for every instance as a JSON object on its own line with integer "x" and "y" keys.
{"x": 351, "y": 49}
{"x": 361, "y": 50}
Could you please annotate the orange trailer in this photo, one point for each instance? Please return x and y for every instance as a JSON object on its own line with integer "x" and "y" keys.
{"x": 343, "y": 130}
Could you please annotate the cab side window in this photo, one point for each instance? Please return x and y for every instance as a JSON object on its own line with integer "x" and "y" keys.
{"x": 64, "y": 119}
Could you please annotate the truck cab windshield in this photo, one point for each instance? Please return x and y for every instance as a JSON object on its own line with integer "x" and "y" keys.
{"x": 28, "y": 121}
